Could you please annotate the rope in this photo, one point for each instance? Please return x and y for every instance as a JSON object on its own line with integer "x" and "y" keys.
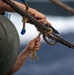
{"x": 25, "y": 20}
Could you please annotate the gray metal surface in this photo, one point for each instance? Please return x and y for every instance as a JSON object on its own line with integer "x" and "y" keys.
{"x": 9, "y": 45}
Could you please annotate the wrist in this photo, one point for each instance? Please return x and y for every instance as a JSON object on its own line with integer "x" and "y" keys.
{"x": 27, "y": 50}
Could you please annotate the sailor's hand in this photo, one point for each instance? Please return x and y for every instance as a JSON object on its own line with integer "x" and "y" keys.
{"x": 39, "y": 16}
{"x": 34, "y": 44}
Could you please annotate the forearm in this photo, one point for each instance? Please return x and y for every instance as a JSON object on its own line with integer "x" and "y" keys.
{"x": 20, "y": 61}
{"x": 5, "y": 7}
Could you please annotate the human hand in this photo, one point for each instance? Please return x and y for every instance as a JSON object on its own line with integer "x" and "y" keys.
{"x": 39, "y": 16}
{"x": 34, "y": 44}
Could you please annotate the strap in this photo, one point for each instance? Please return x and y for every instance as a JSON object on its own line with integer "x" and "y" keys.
{"x": 25, "y": 20}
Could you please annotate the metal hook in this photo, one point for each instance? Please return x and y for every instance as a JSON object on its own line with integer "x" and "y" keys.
{"x": 50, "y": 43}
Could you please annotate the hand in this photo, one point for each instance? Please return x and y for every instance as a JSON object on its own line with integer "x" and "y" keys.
{"x": 39, "y": 16}
{"x": 34, "y": 44}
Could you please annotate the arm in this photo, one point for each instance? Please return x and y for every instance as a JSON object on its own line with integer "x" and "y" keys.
{"x": 21, "y": 59}
{"x": 41, "y": 18}
{"x": 35, "y": 43}
{"x": 5, "y": 7}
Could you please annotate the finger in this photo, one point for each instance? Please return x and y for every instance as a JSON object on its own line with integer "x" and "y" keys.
{"x": 37, "y": 48}
{"x": 49, "y": 23}
{"x": 37, "y": 43}
{"x": 37, "y": 39}
{"x": 42, "y": 21}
